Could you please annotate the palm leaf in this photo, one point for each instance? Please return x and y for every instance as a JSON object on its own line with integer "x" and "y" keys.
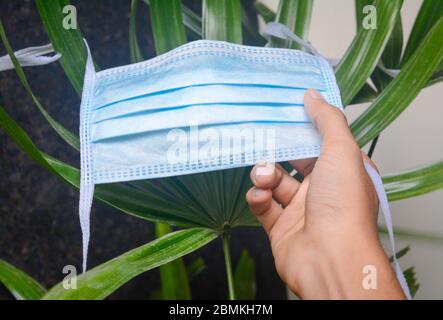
{"x": 100, "y": 282}
{"x": 430, "y": 12}
{"x": 244, "y": 277}
{"x": 173, "y": 275}
{"x": 403, "y": 89}
{"x": 64, "y": 133}
{"x": 134, "y": 49}
{"x": 222, "y": 20}
{"x": 414, "y": 182}
{"x": 167, "y": 24}
{"x": 365, "y": 51}
{"x": 68, "y": 42}
{"x": 21, "y": 286}
{"x": 296, "y": 15}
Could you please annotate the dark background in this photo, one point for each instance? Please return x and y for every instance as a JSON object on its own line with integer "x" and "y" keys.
{"x": 39, "y": 227}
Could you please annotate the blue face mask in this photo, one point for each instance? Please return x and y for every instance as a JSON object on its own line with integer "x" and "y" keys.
{"x": 207, "y": 105}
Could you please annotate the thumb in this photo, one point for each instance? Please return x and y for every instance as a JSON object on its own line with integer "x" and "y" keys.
{"x": 329, "y": 121}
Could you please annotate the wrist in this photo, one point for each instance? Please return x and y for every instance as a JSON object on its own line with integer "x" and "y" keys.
{"x": 357, "y": 268}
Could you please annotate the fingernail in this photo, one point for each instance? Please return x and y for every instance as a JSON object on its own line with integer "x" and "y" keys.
{"x": 264, "y": 169}
{"x": 257, "y": 192}
{"x": 314, "y": 94}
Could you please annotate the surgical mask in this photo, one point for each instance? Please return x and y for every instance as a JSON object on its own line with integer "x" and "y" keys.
{"x": 207, "y": 105}
{"x": 204, "y": 106}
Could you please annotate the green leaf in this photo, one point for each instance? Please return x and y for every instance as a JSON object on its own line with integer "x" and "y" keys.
{"x": 366, "y": 94}
{"x": 414, "y": 182}
{"x": 100, "y": 282}
{"x": 401, "y": 253}
{"x": 222, "y": 20}
{"x": 366, "y": 49}
{"x": 391, "y": 56}
{"x": 409, "y": 273}
{"x": 134, "y": 49}
{"x": 68, "y": 42}
{"x": 267, "y": 14}
{"x": 193, "y": 270}
{"x": 192, "y": 22}
{"x": 65, "y": 134}
{"x": 296, "y": 15}
{"x": 411, "y": 280}
{"x": 167, "y": 24}
{"x": 152, "y": 203}
{"x": 173, "y": 275}
{"x": 402, "y": 90}
{"x": 21, "y": 285}
{"x": 250, "y": 24}
{"x": 244, "y": 277}
{"x": 359, "y": 5}
{"x": 430, "y": 12}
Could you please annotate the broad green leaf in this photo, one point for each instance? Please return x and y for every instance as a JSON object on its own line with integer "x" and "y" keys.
{"x": 263, "y": 10}
{"x": 167, "y": 24}
{"x": 222, "y": 20}
{"x": 64, "y": 133}
{"x": 430, "y": 12}
{"x": 414, "y": 182}
{"x": 402, "y": 90}
{"x": 134, "y": 49}
{"x": 244, "y": 277}
{"x": 68, "y": 42}
{"x": 21, "y": 285}
{"x": 296, "y": 15}
{"x": 173, "y": 275}
{"x": 362, "y": 56}
{"x": 100, "y": 282}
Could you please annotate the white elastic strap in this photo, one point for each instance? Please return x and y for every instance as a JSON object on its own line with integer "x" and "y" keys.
{"x": 384, "y": 206}
{"x": 86, "y": 182}
{"x": 32, "y": 56}
{"x": 278, "y": 30}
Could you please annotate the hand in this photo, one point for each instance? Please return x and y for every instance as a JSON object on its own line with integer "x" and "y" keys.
{"x": 323, "y": 231}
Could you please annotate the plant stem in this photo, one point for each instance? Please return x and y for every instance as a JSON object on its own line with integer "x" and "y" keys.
{"x": 372, "y": 147}
{"x": 228, "y": 263}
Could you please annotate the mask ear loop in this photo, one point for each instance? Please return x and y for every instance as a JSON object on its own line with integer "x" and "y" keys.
{"x": 278, "y": 30}
{"x": 86, "y": 177}
{"x": 32, "y": 56}
{"x": 384, "y": 205}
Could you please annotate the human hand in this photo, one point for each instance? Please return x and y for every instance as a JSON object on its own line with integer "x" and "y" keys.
{"x": 323, "y": 231}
